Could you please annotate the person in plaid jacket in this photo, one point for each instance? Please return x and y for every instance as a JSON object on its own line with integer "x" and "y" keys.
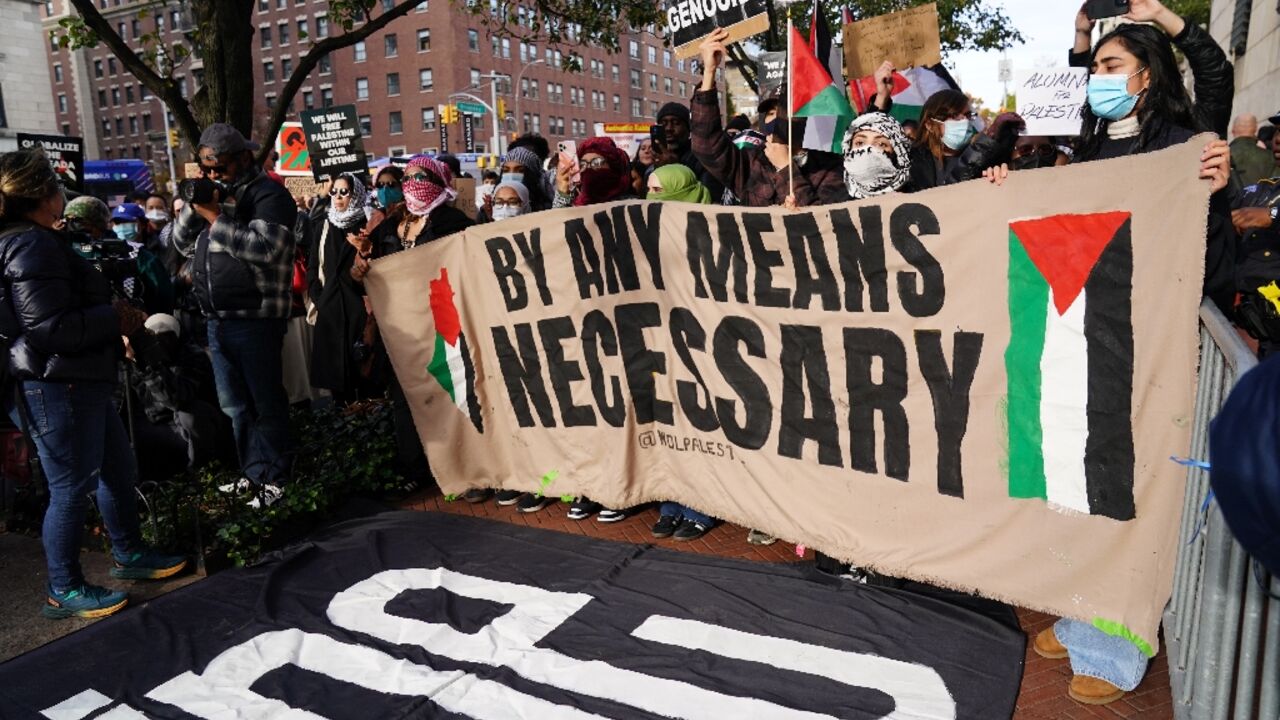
{"x": 242, "y": 260}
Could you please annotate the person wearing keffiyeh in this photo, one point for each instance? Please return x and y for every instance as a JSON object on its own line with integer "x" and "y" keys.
{"x": 606, "y": 175}
{"x": 877, "y": 156}
{"x": 336, "y": 306}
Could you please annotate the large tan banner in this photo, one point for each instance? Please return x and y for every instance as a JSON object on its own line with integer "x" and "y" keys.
{"x": 977, "y": 386}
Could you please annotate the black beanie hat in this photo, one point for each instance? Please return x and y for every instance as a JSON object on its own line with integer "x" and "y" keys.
{"x": 674, "y": 108}
{"x": 738, "y": 122}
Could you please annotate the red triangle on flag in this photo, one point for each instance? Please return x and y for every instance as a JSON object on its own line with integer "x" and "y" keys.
{"x": 807, "y": 76}
{"x": 1064, "y": 248}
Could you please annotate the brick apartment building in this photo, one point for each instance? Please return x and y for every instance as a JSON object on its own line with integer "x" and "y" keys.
{"x": 397, "y": 79}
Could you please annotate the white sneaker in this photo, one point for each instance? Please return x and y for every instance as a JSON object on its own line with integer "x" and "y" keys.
{"x": 235, "y": 488}
{"x": 266, "y": 496}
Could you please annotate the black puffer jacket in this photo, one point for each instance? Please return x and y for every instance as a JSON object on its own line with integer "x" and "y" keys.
{"x": 56, "y": 308}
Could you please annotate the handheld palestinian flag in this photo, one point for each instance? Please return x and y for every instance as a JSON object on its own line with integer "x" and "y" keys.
{"x": 815, "y": 96}
{"x": 1070, "y": 362}
{"x": 922, "y": 84}
{"x": 864, "y": 90}
{"x": 451, "y": 362}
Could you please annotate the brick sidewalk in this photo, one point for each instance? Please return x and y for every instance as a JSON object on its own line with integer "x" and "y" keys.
{"x": 1044, "y": 682}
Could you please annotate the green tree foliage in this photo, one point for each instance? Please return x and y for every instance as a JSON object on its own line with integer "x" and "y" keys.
{"x": 1197, "y": 11}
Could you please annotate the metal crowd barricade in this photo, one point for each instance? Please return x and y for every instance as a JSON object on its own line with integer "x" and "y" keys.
{"x": 1221, "y": 630}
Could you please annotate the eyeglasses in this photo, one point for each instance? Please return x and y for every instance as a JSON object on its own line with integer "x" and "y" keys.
{"x": 595, "y": 163}
{"x": 339, "y": 192}
{"x": 1044, "y": 150}
{"x": 508, "y": 203}
{"x": 220, "y": 169}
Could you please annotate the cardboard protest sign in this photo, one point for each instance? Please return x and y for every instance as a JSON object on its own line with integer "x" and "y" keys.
{"x": 66, "y": 155}
{"x": 292, "y": 157}
{"x": 466, "y": 200}
{"x": 689, "y": 21}
{"x": 1007, "y": 367}
{"x": 908, "y": 37}
{"x": 334, "y": 141}
{"x": 771, "y": 72}
{"x": 1051, "y": 101}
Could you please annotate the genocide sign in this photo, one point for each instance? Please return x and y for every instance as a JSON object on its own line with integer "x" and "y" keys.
{"x": 689, "y": 21}
{"x": 906, "y": 38}
{"x": 456, "y": 617}
{"x": 1052, "y": 101}
{"x": 333, "y": 137}
{"x": 66, "y": 155}
{"x": 976, "y": 357}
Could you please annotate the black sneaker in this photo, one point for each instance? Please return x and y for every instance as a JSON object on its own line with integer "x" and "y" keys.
{"x": 584, "y": 508}
{"x": 477, "y": 495}
{"x": 509, "y": 497}
{"x": 690, "y": 530}
{"x": 665, "y": 526}
{"x": 611, "y": 516}
{"x": 530, "y": 503}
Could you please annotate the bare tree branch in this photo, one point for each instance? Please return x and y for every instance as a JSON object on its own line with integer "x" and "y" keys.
{"x": 745, "y": 66}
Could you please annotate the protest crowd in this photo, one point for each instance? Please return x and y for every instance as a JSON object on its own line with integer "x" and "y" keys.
{"x": 212, "y": 305}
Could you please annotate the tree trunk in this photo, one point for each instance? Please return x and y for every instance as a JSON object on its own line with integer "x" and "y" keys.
{"x": 226, "y": 28}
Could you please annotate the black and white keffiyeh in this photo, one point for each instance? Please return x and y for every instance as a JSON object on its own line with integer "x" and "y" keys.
{"x": 868, "y": 171}
{"x": 354, "y": 214}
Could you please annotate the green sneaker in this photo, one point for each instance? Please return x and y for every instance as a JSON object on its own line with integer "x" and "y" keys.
{"x": 87, "y": 601}
{"x": 148, "y": 565}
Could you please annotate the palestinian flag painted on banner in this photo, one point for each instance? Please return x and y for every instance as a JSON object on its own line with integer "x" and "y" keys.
{"x": 1070, "y": 362}
{"x": 923, "y": 83}
{"x": 451, "y": 362}
{"x": 815, "y": 96}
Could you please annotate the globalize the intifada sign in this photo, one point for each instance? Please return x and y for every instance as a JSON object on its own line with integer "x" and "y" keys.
{"x": 976, "y": 387}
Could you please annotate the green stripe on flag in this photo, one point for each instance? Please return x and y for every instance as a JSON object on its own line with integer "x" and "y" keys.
{"x": 902, "y": 112}
{"x": 829, "y": 102}
{"x": 439, "y": 366}
{"x": 1028, "y": 305}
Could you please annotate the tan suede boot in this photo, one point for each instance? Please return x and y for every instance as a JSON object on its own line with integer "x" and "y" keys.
{"x": 1046, "y": 645}
{"x": 1092, "y": 691}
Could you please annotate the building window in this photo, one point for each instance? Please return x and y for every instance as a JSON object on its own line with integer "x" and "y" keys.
{"x": 308, "y": 100}
{"x": 102, "y": 98}
{"x": 395, "y": 125}
{"x": 666, "y": 58}
{"x": 268, "y": 71}
{"x": 111, "y": 65}
{"x": 424, "y": 40}
{"x": 128, "y": 94}
{"x": 264, "y": 37}
{"x": 146, "y": 122}
{"x": 653, "y": 82}
{"x": 106, "y": 127}
{"x": 393, "y": 83}
{"x": 326, "y": 97}
{"x": 473, "y": 41}
{"x": 475, "y": 77}
{"x": 636, "y": 109}
{"x": 133, "y": 124}
{"x": 62, "y": 103}
{"x": 666, "y": 85}
{"x": 66, "y": 127}
{"x": 325, "y": 65}
{"x": 635, "y": 79}
{"x": 617, "y": 103}
{"x": 684, "y": 89}
{"x": 115, "y": 97}
{"x": 506, "y": 48}
{"x": 362, "y": 88}
{"x": 322, "y": 26}
{"x": 159, "y": 22}
{"x": 387, "y": 5}
{"x": 366, "y": 125}
{"x": 422, "y": 6}
{"x": 653, "y": 108}
{"x": 271, "y": 102}
{"x": 175, "y": 20}
{"x": 359, "y": 51}
{"x": 428, "y": 118}
{"x": 143, "y": 93}
{"x": 426, "y": 79}
{"x": 282, "y": 33}
{"x": 633, "y": 50}
{"x": 120, "y": 126}
{"x": 136, "y": 28}
{"x": 286, "y": 68}
{"x": 264, "y": 5}
{"x": 390, "y": 46}
{"x": 97, "y": 68}
{"x": 121, "y": 31}
{"x": 57, "y": 72}
{"x": 537, "y": 123}
{"x": 303, "y": 33}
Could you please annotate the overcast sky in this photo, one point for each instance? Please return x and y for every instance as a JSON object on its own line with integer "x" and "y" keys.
{"x": 1048, "y": 26}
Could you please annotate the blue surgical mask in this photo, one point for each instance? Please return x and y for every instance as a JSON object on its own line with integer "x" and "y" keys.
{"x": 388, "y": 196}
{"x": 957, "y": 133}
{"x": 513, "y": 177}
{"x": 1109, "y": 96}
{"x": 127, "y": 231}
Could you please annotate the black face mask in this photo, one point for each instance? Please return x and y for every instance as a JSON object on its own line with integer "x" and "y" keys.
{"x": 1032, "y": 162}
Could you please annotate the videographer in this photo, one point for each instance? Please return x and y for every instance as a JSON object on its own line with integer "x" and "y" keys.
{"x": 176, "y": 417}
{"x": 61, "y": 341}
{"x": 242, "y": 277}
{"x": 129, "y": 223}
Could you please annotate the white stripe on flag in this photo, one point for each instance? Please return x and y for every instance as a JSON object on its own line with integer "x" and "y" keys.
{"x": 820, "y": 132}
{"x": 1064, "y": 394}
{"x": 457, "y": 375}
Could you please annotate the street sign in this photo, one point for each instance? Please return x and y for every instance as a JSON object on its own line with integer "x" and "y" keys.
{"x": 468, "y": 133}
{"x": 444, "y": 137}
{"x": 470, "y": 107}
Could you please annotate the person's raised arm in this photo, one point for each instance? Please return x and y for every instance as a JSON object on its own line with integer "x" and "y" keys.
{"x": 1079, "y": 55}
{"x": 721, "y": 159}
{"x": 261, "y": 239}
{"x": 1215, "y": 81}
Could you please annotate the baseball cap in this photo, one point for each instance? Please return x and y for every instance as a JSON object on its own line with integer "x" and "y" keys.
{"x": 128, "y": 212}
{"x": 89, "y": 209}
{"x": 223, "y": 139}
{"x": 161, "y": 323}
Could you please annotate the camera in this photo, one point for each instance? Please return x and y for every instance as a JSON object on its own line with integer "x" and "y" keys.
{"x": 199, "y": 191}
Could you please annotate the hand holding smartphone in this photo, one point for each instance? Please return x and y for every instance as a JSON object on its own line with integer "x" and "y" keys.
{"x": 1099, "y": 9}
{"x": 569, "y": 159}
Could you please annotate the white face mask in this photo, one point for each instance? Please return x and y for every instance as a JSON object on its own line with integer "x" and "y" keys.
{"x": 505, "y": 212}
{"x": 157, "y": 216}
{"x": 870, "y": 167}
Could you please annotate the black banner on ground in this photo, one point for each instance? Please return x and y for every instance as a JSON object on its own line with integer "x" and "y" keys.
{"x": 413, "y": 614}
{"x": 333, "y": 139}
{"x": 66, "y": 155}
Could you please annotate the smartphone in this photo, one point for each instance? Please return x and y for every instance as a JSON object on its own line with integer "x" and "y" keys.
{"x": 570, "y": 161}
{"x": 569, "y": 147}
{"x": 1099, "y": 9}
{"x": 657, "y": 133}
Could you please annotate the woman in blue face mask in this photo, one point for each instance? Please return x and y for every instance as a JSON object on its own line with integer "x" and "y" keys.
{"x": 946, "y": 129}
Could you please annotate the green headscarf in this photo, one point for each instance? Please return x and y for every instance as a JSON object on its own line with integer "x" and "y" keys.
{"x": 680, "y": 185}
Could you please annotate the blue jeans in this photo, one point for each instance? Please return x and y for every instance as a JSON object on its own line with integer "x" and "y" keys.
{"x": 83, "y": 448}
{"x": 248, "y": 369}
{"x": 1098, "y": 655}
{"x": 670, "y": 509}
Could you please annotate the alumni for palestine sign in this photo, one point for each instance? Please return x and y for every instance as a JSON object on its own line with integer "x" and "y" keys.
{"x": 974, "y": 386}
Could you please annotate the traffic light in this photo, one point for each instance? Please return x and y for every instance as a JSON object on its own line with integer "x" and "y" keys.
{"x": 449, "y": 114}
{"x": 173, "y": 138}
{"x": 502, "y": 108}
{"x": 482, "y": 162}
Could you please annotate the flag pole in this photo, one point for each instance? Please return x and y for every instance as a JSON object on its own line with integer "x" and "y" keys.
{"x": 791, "y": 166}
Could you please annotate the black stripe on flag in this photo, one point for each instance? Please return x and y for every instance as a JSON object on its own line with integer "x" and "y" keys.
{"x": 473, "y": 403}
{"x": 1108, "y": 330}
